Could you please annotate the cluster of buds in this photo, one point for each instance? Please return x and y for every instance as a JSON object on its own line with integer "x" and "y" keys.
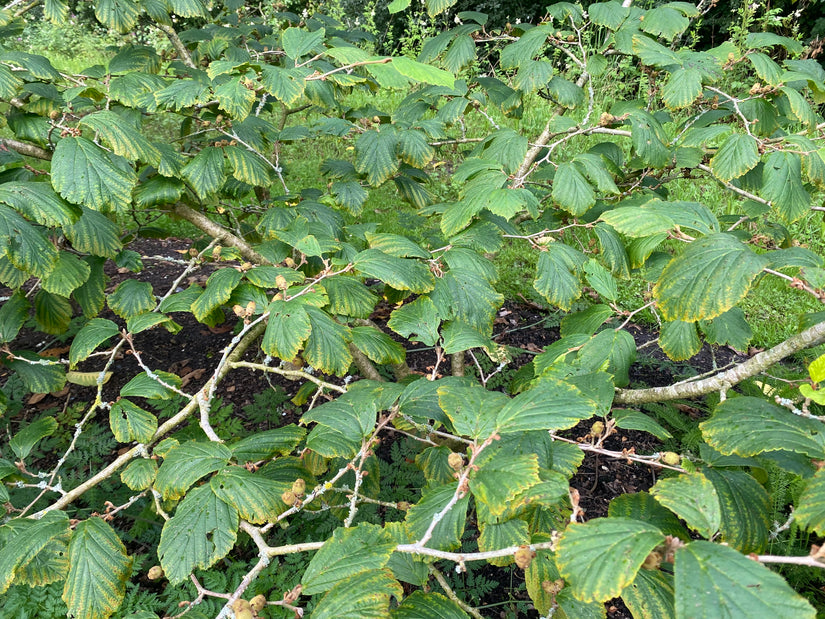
{"x": 296, "y": 493}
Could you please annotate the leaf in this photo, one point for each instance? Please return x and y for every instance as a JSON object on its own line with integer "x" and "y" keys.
{"x": 129, "y": 422}
{"x": 265, "y": 445}
{"x": 187, "y": 463}
{"x": 642, "y": 506}
{"x": 711, "y": 580}
{"x": 421, "y": 72}
{"x": 650, "y": 595}
{"x": 205, "y": 171}
{"x": 498, "y": 535}
{"x": 809, "y": 512}
{"x": 326, "y": 347}
{"x": 665, "y": 21}
{"x": 347, "y": 553}
{"x": 68, "y": 274}
{"x": 692, "y": 497}
{"x": 429, "y": 605}
{"x": 85, "y": 174}
{"x": 395, "y": 245}
{"x": 782, "y": 185}
{"x": 375, "y": 155}
{"x": 287, "y": 329}
{"x": 257, "y": 499}
{"x": 602, "y": 556}
{"x": 745, "y": 505}
{"x": 37, "y": 201}
{"x": 707, "y": 279}
{"x": 679, "y": 340}
{"x": 557, "y": 278}
{"x": 25, "y": 246}
{"x": 151, "y": 387}
{"x": 218, "y": 289}
{"x": 635, "y": 420}
{"x": 92, "y": 335}
{"x": 378, "y": 346}
{"x": 359, "y": 596}
{"x": 683, "y": 87}
{"x": 450, "y": 526}
{"x": 730, "y": 328}
{"x": 98, "y": 570}
{"x": 286, "y": 85}
{"x": 235, "y": 98}
{"x": 400, "y": 273}
{"x": 503, "y": 478}
{"x": 298, "y": 42}
{"x": 737, "y": 155}
{"x": 24, "y": 441}
{"x": 131, "y": 298}
{"x": 13, "y": 313}
{"x": 96, "y": 234}
{"x": 417, "y": 321}
{"x": 617, "y": 347}
{"x": 816, "y": 369}
{"x": 551, "y": 405}
{"x": 202, "y": 531}
{"x": 120, "y": 15}
{"x": 470, "y": 408}
{"x": 247, "y": 166}
{"x": 20, "y": 550}
{"x": 38, "y": 377}
{"x": 635, "y": 222}
{"x": 748, "y": 426}
{"x": 571, "y": 190}
{"x": 139, "y": 474}
{"x": 123, "y": 139}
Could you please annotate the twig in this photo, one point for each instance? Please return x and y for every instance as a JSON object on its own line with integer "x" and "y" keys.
{"x": 451, "y": 594}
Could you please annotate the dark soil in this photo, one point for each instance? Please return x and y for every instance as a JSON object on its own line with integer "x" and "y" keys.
{"x": 527, "y": 329}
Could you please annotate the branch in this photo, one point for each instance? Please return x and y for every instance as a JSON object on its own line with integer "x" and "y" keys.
{"x": 220, "y": 233}
{"x": 364, "y": 365}
{"x": 173, "y": 37}
{"x": 813, "y": 336}
{"x": 29, "y": 150}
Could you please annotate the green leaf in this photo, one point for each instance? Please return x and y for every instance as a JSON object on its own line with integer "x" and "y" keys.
{"x": 131, "y": 298}
{"x": 375, "y": 155}
{"x": 139, "y": 474}
{"x": 349, "y": 419}
{"x": 24, "y": 441}
{"x": 92, "y": 335}
{"x": 186, "y": 464}
{"x": 602, "y": 556}
{"x": 692, "y": 497}
{"x": 50, "y": 564}
{"x": 711, "y": 580}
{"x": 707, "y": 279}
{"x": 458, "y": 336}
{"x": 205, "y": 172}
{"x": 782, "y": 185}
{"x": 650, "y": 595}
{"x": 809, "y": 512}
{"x": 635, "y": 221}
{"x": 298, "y": 42}
{"x": 745, "y": 505}
{"x": 564, "y": 92}
{"x": 571, "y": 190}
{"x": 683, "y": 87}
{"x": 326, "y": 347}
{"x": 471, "y": 408}
{"x": 20, "y": 550}
{"x": 122, "y": 138}
{"x": 349, "y": 297}
{"x": 347, "y": 553}
{"x": 585, "y": 322}
{"x": 758, "y": 40}
{"x": 85, "y": 174}
{"x": 26, "y": 247}
{"x": 145, "y": 322}
{"x": 557, "y": 275}
{"x": 429, "y": 605}
{"x": 400, "y": 273}
{"x": 359, "y": 596}
{"x": 467, "y": 296}
{"x": 257, "y": 499}
{"x": 679, "y": 340}
{"x": 450, "y": 526}
{"x": 287, "y": 329}
{"x": 9, "y": 83}
{"x": 218, "y": 289}
{"x": 748, "y": 426}
{"x": 247, "y": 166}
{"x": 500, "y": 480}
{"x": 665, "y": 21}
{"x": 417, "y": 321}
{"x": 39, "y": 375}
{"x": 736, "y": 156}
{"x": 98, "y": 570}
{"x": 202, "y": 531}
{"x": 265, "y": 445}
{"x": 551, "y": 405}
{"x": 68, "y": 274}
{"x": 378, "y": 346}
{"x": 395, "y": 245}
{"x": 145, "y": 386}
{"x": 396, "y": 6}
{"x": 816, "y": 369}
{"x": 730, "y": 328}
{"x": 642, "y": 506}
{"x": 13, "y": 314}
{"x": 235, "y": 99}
{"x": 286, "y": 85}
{"x": 767, "y": 70}
{"x": 420, "y": 72}
{"x": 129, "y": 422}
{"x": 37, "y": 201}
{"x": 601, "y": 280}
{"x": 96, "y": 234}
{"x": 498, "y": 535}
{"x": 635, "y": 420}
{"x": 120, "y": 15}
